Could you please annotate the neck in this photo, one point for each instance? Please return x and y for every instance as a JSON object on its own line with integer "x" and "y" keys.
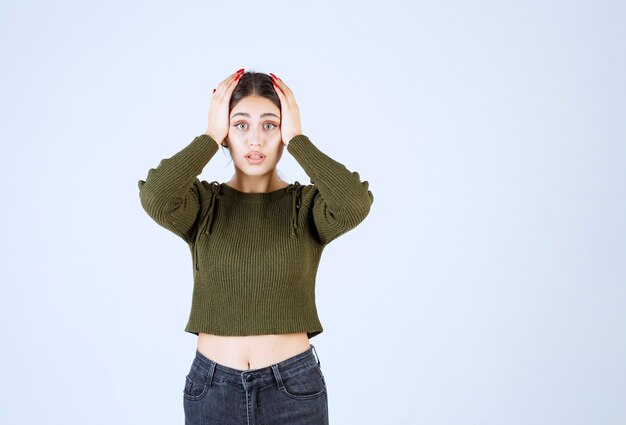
{"x": 256, "y": 184}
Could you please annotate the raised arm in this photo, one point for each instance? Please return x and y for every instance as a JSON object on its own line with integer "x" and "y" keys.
{"x": 342, "y": 200}
{"x": 170, "y": 192}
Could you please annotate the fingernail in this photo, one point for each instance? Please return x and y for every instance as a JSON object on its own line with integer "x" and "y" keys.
{"x": 238, "y": 76}
{"x": 240, "y": 70}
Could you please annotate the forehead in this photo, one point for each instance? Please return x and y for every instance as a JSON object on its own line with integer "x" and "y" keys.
{"x": 255, "y": 105}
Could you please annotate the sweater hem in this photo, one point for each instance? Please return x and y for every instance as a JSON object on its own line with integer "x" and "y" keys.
{"x": 311, "y": 332}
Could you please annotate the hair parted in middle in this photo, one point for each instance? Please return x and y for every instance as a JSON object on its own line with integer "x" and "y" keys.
{"x": 253, "y": 84}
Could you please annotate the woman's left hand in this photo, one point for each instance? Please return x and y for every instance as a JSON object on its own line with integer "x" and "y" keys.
{"x": 290, "y": 125}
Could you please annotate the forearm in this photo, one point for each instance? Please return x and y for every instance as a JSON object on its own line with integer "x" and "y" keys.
{"x": 169, "y": 194}
{"x": 343, "y": 192}
{"x": 173, "y": 176}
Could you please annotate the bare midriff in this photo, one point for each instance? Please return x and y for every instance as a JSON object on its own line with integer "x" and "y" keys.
{"x": 252, "y": 351}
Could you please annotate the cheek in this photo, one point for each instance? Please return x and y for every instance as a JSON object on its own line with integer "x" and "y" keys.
{"x": 279, "y": 153}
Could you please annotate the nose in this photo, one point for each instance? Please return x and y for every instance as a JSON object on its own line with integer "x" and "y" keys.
{"x": 255, "y": 138}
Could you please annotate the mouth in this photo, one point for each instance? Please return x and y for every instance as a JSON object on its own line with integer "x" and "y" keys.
{"x": 255, "y": 158}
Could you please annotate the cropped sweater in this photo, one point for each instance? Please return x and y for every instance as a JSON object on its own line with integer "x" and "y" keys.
{"x": 255, "y": 255}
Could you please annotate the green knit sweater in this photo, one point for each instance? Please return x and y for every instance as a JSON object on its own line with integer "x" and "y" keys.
{"x": 255, "y": 255}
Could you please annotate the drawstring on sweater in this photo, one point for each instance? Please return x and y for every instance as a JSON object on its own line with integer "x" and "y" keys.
{"x": 207, "y": 221}
{"x": 294, "y": 189}
{"x": 296, "y": 192}
{"x": 215, "y": 186}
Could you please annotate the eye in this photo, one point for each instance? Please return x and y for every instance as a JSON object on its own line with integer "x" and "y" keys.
{"x": 272, "y": 126}
{"x": 241, "y": 123}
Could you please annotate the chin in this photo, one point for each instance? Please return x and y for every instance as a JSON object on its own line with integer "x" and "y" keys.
{"x": 255, "y": 172}
{"x": 252, "y": 170}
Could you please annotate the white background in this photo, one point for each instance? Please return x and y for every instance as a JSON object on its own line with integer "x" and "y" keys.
{"x": 487, "y": 285}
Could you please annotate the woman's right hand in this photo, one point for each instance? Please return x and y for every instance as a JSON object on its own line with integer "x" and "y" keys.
{"x": 218, "y": 111}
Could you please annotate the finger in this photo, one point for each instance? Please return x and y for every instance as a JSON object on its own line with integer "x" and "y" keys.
{"x": 233, "y": 84}
{"x": 283, "y": 86}
{"x": 276, "y": 78}
{"x": 234, "y": 74}
{"x": 281, "y": 96}
{"x": 226, "y": 87}
{"x": 287, "y": 94}
{"x": 228, "y": 80}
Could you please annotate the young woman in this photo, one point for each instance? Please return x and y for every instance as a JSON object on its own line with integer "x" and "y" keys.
{"x": 256, "y": 243}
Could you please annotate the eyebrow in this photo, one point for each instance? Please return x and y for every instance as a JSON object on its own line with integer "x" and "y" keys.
{"x": 245, "y": 114}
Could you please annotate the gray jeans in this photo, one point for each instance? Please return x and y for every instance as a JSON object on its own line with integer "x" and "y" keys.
{"x": 291, "y": 392}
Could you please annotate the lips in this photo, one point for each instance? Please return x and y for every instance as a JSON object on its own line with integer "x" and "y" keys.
{"x": 255, "y": 157}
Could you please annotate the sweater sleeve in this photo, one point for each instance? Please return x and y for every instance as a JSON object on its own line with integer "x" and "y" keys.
{"x": 170, "y": 192}
{"x": 342, "y": 200}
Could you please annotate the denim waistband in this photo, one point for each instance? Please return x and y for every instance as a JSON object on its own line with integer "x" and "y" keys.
{"x": 223, "y": 373}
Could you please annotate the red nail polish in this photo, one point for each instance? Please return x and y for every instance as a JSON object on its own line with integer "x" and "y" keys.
{"x": 240, "y": 70}
{"x": 237, "y": 77}
{"x": 213, "y": 90}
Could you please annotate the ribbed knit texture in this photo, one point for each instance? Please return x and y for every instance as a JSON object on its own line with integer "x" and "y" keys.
{"x": 255, "y": 255}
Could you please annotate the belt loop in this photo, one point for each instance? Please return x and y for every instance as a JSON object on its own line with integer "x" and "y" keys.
{"x": 277, "y": 376}
{"x": 317, "y": 358}
{"x": 211, "y": 373}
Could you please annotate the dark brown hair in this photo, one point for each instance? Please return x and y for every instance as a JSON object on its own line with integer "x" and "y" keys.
{"x": 254, "y": 84}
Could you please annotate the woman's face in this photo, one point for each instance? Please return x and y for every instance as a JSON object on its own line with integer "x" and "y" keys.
{"x": 254, "y": 138}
